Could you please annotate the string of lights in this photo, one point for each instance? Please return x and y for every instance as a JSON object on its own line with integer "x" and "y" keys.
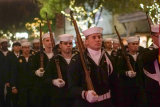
{"x": 154, "y": 11}
{"x": 81, "y": 12}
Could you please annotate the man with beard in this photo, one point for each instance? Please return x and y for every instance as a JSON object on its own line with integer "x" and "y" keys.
{"x": 22, "y": 79}
{"x": 59, "y": 94}
{"x": 103, "y": 75}
{"x": 108, "y": 42}
{"x": 41, "y": 91}
{"x": 131, "y": 81}
{"x": 149, "y": 58}
{"x": 36, "y": 45}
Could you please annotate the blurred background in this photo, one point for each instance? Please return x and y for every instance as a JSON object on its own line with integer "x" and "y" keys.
{"x": 21, "y": 18}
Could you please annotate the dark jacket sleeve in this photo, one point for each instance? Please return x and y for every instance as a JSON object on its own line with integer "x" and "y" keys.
{"x": 148, "y": 56}
{"x": 7, "y": 70}
{"x": 75, "y": 77}
{"x": 14, "y": 73}
{"x": 121, "y": 66}
{"x": 116, "y": 91}
{"x": 50, "y": 72}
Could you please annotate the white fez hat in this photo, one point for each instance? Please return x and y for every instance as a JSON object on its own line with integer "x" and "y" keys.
{"x": 92, "y": 31}
{"x": 24, "y": 40}
{"x": 45, "y": 35}
{"x": 3, "y": 40}
{"x": 66, "y": 37}
{"x": 26, "y": 44}
{"x": 155, "y": 28}
{"x": 115, "y": 41}
{"x": 108, "y": 39}
{"x": 132, "y": 39}
{"x": 35, "y": 41}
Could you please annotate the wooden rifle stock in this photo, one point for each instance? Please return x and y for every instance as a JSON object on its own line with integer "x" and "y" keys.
{"x": 149, "y": 22}
{"x": 53, "y": 44}
{"x": 123, "y": 50}
{"x": 41, "y": 49}
{"x": 82, "y": 55}
{"x": 50, "y": 32}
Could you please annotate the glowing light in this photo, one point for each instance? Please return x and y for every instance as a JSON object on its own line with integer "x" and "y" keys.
{"x": 154, "y": 8}
{"x": 81, "y": 13}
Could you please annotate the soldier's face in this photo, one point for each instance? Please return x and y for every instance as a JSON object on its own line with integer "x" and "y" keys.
{"x": 66, "y": 47}
{"x": 94, "y": 41}
{"x": 36, "y": 45}
{"x": 108, "y": 44}
{"x": 16, "y": 48}
{"x": 4, "y": 44}
{"x": 133, "y": 46}
{"x": 115, "y": 45}
{"x": 26, "y": 49}
{"x": 47, "y": 42}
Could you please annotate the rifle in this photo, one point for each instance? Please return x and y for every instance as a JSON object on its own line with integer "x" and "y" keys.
{"x": 149, "y": 22}
{"x": 82, "y": 55}
{"x": 41, "y": 49}
{"x": 123, "y": 51}
{"x": 53, "y": 44}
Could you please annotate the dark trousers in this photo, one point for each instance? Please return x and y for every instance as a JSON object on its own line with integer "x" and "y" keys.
{"x": 62, "y": 102}
{"x": 133, "y": 97}
{"x": 85, "y": 103}
{"x": 2, "y": 103}
{"x": 11, "y": 99}
{"x": 8, "y": 97}
{"x": 42, "y": 97}
{"x": 153, "y": 99}
{"x": 26, "y": 96}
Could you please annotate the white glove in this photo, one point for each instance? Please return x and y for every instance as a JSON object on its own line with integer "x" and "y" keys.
{"x": 40, "y": 72}
{"x": 58, "y": 82}
{"x": 92, "y": 96}
{"x": 131, "y": 74}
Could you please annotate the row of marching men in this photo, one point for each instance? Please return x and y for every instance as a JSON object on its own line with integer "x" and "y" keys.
{"x": 115, "y": 84}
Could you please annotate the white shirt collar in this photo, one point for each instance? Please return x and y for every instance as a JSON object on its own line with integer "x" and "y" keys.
{"x": 95, "y": 55}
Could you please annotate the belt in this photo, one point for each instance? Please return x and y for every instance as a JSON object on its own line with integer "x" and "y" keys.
{"x": 104, "y": 96}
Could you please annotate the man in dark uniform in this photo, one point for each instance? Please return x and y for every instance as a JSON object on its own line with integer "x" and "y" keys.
{"x": 116, "y": 46}
{"x": 42, "y": 99}
{"x": 149, "y": 58}
{"x": 7, "y": 58}
{"x": 36, "y": 45}
{"x": 22, "y": 79}
{"x": 59, "y": 93}
{"x": 131, "y": 81}
{"x": 108, "y": 44}
{"x": 9, "y": 61}
{"x": 2, "y": 80}
{"x": 103, "y": 75}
